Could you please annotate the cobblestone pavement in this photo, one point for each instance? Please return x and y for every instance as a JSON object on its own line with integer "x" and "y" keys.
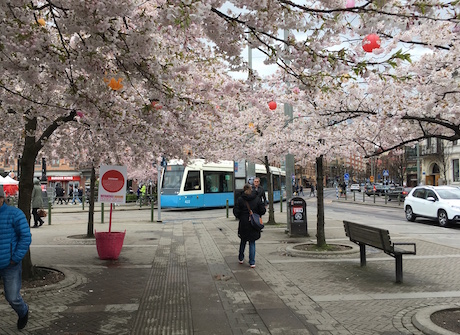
{"x": 181, "y": 276}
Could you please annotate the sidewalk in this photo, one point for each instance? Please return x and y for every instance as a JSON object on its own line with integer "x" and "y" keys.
{"x": 182, "y": 276}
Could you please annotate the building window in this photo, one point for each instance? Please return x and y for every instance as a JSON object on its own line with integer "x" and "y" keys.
{"x": 455, "y": 170}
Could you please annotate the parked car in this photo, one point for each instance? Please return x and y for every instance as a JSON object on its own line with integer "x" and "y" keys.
{"x": 441, "y": 203}
{"x": 355, "y": 187}
{"x": 376, "y": 189}
{"x": 399, "y": 192}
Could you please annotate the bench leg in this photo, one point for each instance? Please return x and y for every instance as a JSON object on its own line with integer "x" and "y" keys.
{"x": 399, "y": 268}
{"x": 362, "y": 254}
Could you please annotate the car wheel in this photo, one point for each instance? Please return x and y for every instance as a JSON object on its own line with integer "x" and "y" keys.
{"x": 410, "y": 216}
{"x": 442, "y": 218}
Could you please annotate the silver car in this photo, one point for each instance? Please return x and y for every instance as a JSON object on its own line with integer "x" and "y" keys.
{"x": 435, "y": 202}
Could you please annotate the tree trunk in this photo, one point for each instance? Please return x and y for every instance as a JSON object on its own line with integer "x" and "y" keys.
{"x": 320, "y": 235}
{"x": 271, "y": 210}
{"x": 92, "y": 187}
{"x": 26, "y": 184}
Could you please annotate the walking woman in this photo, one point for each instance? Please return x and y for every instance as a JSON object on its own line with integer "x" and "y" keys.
{"x": 37, "y": 203}
{"x": 249, "y": 198}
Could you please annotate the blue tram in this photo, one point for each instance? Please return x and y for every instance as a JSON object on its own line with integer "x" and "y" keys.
{"x": 207, "y": 185}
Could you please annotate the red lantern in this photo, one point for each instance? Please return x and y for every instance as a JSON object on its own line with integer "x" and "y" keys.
{"x": 371, "y": 42}
{"x": 272, "y": 105}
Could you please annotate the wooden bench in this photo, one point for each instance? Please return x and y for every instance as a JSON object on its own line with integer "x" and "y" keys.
{"x": 378, "y": 238}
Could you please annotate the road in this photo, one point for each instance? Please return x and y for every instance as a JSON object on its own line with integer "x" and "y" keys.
{"x": 389, "y": 218}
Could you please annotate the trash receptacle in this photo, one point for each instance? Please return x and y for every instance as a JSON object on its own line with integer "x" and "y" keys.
{"x": 298, "y": 217}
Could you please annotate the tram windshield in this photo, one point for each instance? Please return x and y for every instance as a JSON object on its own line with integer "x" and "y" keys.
{"x": 172, "y": 177}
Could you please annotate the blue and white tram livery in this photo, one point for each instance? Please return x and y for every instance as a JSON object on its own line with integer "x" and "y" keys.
{"x": 208, "y": 185}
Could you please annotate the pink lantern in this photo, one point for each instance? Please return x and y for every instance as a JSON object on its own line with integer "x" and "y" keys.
{"x": 350, "y": 3}
{"x": 272, "y": 105}
{"x": 371, "y": 42}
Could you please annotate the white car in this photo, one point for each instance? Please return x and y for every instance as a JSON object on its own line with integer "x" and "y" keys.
{"x": 355, "y": 187}
{"x": 435, "y": 202}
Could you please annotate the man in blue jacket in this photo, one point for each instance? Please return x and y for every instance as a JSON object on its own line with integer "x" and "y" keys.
{"x": 15, "y": 239}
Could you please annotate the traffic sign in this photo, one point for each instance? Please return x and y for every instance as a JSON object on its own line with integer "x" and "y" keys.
{"x": 371, "y": 179}
{"x": 346, "y": 176}
{"x": 386, "y": 173}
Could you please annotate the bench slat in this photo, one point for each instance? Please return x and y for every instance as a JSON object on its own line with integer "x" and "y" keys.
{"x": 376, "y": 237}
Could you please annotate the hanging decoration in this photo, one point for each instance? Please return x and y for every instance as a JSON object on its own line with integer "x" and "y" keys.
{"x": 350, "y": 3}
{"x": 371, "y": 42}
{"x": 272, "y": 105}
{"x": 115, "y": 84}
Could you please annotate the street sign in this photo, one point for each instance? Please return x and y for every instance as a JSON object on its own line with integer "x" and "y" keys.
{"x": 386, "y": 173}
{"x": 112, "y": 184}
{"x": 346, "y": 176}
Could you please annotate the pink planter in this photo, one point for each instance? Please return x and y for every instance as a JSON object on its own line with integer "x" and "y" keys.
{"x": 109, "y": 244}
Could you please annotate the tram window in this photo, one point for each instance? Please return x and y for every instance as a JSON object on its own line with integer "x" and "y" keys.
{"x": 276, "y": 182}
{"x": 218, "y": 182}
{"x": 193, "y": 183}
{"x": 173, "y": 177}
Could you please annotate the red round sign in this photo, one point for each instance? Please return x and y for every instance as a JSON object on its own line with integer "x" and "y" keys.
{"x": 113, "y": 181}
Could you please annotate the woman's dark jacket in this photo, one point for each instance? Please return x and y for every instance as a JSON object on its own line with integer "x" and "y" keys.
{"x": 241, "y": 211}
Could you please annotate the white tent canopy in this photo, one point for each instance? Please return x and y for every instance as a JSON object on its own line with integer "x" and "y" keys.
{"x": 8, "y": 181}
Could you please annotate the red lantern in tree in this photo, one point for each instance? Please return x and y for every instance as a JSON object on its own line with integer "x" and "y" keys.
{"x": 371, "y": 42}
{"x": 272, "y": 105}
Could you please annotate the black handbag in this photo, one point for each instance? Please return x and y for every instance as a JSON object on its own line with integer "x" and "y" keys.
{"x": 255, "y": 219}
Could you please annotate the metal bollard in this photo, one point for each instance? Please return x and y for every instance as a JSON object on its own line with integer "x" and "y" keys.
{"x": 83, "y": 200}
{"x": 281, "y": 203}
{"x": 226, "y": 206}
{"x": 102, "y": 212}
{"x": 151, "y": 210}
{"x": 49, "y": 213}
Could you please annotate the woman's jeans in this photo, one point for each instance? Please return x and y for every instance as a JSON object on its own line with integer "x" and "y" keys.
{"x": 12, "y": 277}
{"x": 252, "y": 251}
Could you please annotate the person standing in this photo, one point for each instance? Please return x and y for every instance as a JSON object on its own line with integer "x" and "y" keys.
{"x": 37, "y": 203}
{"x": 59, "y": 194}
{"x": 312, "y": 189}
{"x": 15, "y": 239}
{"x": 75, "y": 198}
{"x": 143, "y": 193}
{"x": 246, "y": 232}
{"x": 260, "y": 191}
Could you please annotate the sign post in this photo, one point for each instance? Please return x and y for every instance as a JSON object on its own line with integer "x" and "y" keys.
{"x": 112, "y": 189}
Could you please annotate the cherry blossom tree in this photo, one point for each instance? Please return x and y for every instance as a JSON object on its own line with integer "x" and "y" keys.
{"x": 70, "y": 68}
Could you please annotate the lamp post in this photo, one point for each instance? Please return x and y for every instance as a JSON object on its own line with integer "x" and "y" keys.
{"x": 289, "y": 159}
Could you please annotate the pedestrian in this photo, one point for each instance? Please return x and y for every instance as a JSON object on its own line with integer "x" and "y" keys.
{"x": 246, "y": 232}
{"x": 14, "y": 244}
{"x": 312, "y": 189}
{"x": 301, "y": 190}
{"x": 80, "y": 194}
{"x": 59, "y": 194}
{"x": 70, "y": 195}
{"x": 143, "y": 192}
{"x": 37, "y": 203}
{"x": 260, "y": 191}
{"x": 75, "y": 198}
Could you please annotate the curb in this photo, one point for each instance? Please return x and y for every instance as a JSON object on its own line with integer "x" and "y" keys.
{"x": 423, "y": 322}
{"x": 291, "y": 251}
